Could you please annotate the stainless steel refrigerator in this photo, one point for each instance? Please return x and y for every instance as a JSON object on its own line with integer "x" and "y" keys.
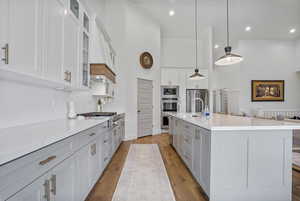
{"x": 196, "y": 100}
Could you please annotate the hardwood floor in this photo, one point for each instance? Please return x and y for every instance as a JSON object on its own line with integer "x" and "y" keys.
{"x": 184, "y": 186}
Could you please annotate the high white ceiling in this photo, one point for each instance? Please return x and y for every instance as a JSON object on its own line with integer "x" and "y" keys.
{"x": 269, "y": 19}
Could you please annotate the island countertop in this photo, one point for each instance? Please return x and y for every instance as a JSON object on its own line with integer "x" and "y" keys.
{"x": 18, "y": 141}
{"x": 221, "y": 122}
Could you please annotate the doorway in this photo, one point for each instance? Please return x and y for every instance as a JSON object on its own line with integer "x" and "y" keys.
{"x": 145, "y": 107}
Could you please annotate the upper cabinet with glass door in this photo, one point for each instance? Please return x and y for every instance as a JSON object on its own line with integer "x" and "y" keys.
{"x": 84, "y": 68}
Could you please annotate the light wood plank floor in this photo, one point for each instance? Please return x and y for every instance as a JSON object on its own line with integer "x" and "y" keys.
{"x": 184, "y": 186}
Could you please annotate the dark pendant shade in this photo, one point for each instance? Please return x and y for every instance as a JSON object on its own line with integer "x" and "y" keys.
{"x": 197, "y": 75}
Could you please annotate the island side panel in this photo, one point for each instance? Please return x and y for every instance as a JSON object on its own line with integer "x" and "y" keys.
{"x": 251, "y": 165}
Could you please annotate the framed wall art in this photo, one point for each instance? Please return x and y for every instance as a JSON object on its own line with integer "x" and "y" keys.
{"x": 267, "y": 90}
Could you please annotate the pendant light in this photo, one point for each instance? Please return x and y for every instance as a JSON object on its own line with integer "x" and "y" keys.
{"x": 196, "y": 75}
{"x": 229, "y": 58}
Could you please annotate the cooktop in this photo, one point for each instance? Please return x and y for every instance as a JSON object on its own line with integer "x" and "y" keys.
{"x": 98, "y": 114}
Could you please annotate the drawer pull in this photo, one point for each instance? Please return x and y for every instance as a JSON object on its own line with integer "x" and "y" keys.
{"x": 105, "y": 141}
{"x": 44, "y": 162}
{"x": 92, "y": 134}
{"x": 105, "y": 159}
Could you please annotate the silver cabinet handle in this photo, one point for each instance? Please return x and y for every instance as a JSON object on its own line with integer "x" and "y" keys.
{"x": 6, "y": 53}
{"x": 92, "y": 134}
{"x": 53, "y": 184}
{"x": 93, "y": 149}
{"x": 70, "y": 77}
{"x": 47, "y": 190}
{"x": 48, "y": 160}
{"x": 66, "y": 77}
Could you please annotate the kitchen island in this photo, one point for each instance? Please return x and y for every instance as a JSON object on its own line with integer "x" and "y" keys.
{"x": 236, "y": 158}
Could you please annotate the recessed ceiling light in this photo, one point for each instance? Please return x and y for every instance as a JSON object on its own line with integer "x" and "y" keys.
{"x": 292, "y": 31}
{"x": 248, "y": 28}
{"x": 171, "y": 12}
{"x": 216, "y": 46}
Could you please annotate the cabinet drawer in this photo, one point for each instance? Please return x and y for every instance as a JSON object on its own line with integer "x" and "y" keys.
{"x": 188, "y": 159}
{"x": 85, "y": 137}
{"x": 102, "y": 128}
{"x": 16, "y": 175}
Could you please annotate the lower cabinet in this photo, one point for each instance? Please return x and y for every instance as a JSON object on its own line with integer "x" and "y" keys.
{"x": 62, "y": 181}
{"x": 65, "y": 171}
{"x": 33, "y": 192}
{"x": 204, "y": 179}
{"x": 82, "y": 175}
{"x": 56, "y": 185}
{"x": 192, "y": 143}
{"x": 93, "y": 162}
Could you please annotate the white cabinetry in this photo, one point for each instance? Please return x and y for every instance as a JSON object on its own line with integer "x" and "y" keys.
{"x": 71, "y": 37}
{"x": 64, "y": 171}
{"x": 170, "y": 76}
{"x": 82, "y": 175}
{"x": 22, "y": 34}
{"x": 53, "y": 42}
{"x": 201, "y": 158}
{"x": 57, "y": 185}
{"x": 62, "y": 181}
{"x": 93, "y": 163}
{"x": 42, "y": 43}
{"x": 34, "y": 192}
{"x": 4, "y": 4}
{"x": 192, "y": 143}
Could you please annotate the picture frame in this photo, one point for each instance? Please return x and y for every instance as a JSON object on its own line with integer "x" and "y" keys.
{"x": 267, "y": 90}
{"x": 146, "y": 60}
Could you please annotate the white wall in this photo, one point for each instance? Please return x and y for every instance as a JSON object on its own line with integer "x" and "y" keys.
{"x": 132, "y": 32}
{"x": 263, "y": 60}
{"x": 24, "y": 104}
{"x": 298, "y": 55}
{"x": 178, "y": 60}
{"x": 180, "y": 52}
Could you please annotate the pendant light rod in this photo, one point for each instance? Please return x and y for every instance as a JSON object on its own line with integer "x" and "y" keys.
{"x": 227, "y": 23}
{"x": 196, "y": 31}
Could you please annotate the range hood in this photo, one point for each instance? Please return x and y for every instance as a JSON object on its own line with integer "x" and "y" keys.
{"x": 99, "y": 69}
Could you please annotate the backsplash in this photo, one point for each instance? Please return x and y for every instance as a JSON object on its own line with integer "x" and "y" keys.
{"x": 26, "y": 104}
{"x": 22, "y": 104}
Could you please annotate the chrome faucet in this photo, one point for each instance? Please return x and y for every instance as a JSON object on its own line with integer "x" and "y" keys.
{"x": 202, "y": 104}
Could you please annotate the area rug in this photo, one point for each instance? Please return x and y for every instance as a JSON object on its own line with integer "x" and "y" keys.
{"x": 144, "y": 176}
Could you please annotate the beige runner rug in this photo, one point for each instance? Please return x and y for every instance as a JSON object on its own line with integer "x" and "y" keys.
{"x": 144, "y": 176}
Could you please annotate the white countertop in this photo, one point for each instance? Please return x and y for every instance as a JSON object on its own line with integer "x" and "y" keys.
{"x": 220, "y": 122}
{"x": 18, "y": 141}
